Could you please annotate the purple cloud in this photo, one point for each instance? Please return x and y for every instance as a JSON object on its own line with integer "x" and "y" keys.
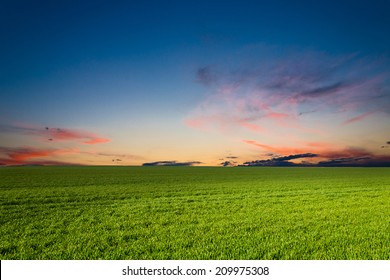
{"x": 280, "y": 89}
{"x": 171, "y": 163}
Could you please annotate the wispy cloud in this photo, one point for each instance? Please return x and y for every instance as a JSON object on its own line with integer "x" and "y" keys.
{"x": 9, "y": 162}
{"x": 326, "y": 155}
{"x": 55, "y": 134}
{"x": 23, "y": 155}
{"x": 119, "y": 155}
{"x": 280, "y": 150}
{"x": 359, "y": 117}
{"x": 171, "y": 163}
{"x": 324, "y": 90}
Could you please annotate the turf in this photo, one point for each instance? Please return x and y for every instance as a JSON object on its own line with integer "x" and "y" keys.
{"x": 194, "y": 213}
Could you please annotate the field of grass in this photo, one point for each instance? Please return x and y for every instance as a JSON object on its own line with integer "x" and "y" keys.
{"x": 194, "y": 213}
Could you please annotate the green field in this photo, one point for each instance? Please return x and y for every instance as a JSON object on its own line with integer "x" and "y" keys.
{"x": 194, "y": 213}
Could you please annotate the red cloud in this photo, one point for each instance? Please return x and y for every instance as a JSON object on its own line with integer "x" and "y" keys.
{"x": 346, "y": 153}
{"x": 30, "y": 155}
{"x": 358, "y": 118}
{"x": 23, "y": 155}
{"x": 278, "y": 150}
{"x": 97, "y": 141}
{"x": 251, "y": 126}
{"x": 56, "y": 134}
{"x": 36, "y": 162}
{"x": 328, "y": 153}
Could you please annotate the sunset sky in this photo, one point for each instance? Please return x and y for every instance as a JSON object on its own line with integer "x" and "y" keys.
{"x": 198, "y": 83}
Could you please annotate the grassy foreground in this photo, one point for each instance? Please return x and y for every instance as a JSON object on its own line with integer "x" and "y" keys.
{"x": 194, "y": 213}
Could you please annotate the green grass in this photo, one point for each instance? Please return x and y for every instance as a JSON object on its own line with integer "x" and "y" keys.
{"x": 194, "y": 213}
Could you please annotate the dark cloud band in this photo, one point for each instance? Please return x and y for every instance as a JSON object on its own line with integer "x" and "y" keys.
{"x": 171, "y": 163}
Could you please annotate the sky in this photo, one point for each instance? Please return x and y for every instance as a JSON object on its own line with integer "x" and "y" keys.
{"x": 195, "y": 83}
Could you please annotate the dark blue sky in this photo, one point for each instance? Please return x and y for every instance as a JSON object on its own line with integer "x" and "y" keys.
{"x": 41, "y": 36}
{"x": 159, "y": 69}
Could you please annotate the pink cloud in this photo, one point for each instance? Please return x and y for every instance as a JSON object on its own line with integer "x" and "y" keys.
{"x": 194, "y": 123}
{"x": 358, "y": 118}
{"x": 200, "y": 123}
{"x": 5, "y": 161}
{"x": 346, "y": 153}
{"x": 251, "y": 126}
{"x": 97, "y": 141}
{"x": 277, "y": 116}
{"x": 277, "y": 150}
{"x": 33, "y": 155}
{"x": 23, "y": 155}
{"x": 56, "y": 134}
{"x": 231, "y": 110}
{"x": 327, "y": 153}
{"x": 321, "y": 148}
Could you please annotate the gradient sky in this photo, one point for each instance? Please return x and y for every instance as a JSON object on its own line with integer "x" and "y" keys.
{"x": 195, "y": 82}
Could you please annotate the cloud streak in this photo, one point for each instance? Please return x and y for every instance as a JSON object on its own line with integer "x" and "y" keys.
{"x": 324, "y": 154}
{"x": 119, "y": 155}
{"x": 85, "y": 137}
{"x": 324, "y": 90}
{"x": 55, "y": 134}
{"x": 277, "y": 149}
{"x": 8, "y": 162}
{"x": 358, "y": 118}
{"x": 279, "y": 161}
{"x": 171, "y": 163}
{"x": 23, "y": 155}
